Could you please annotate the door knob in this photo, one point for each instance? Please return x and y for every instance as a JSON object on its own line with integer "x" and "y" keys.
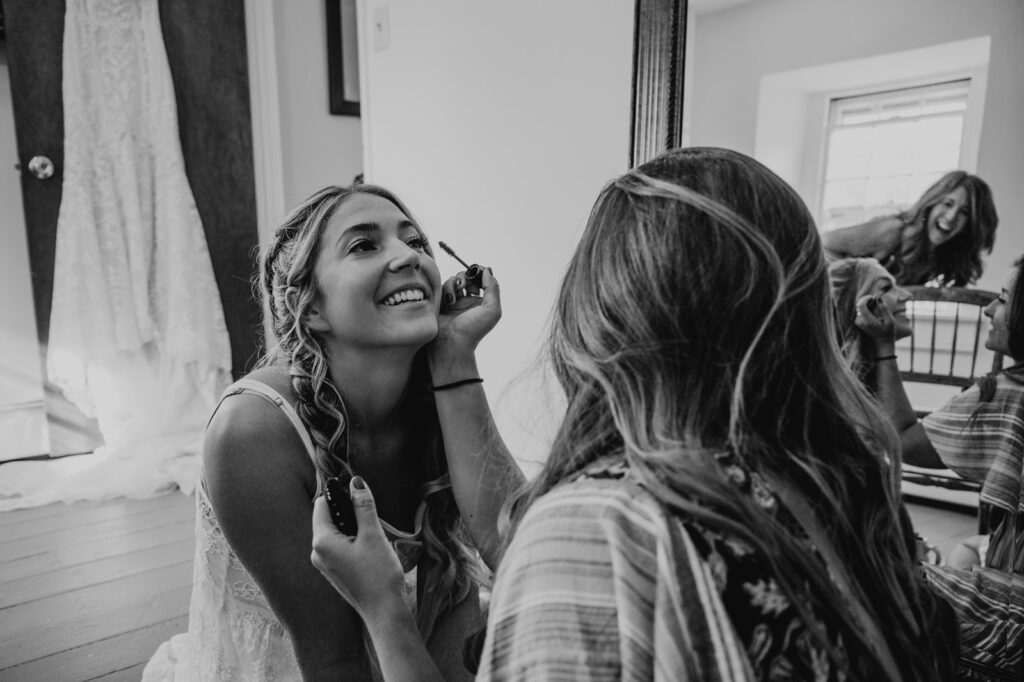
{"x": 41, "y": 167}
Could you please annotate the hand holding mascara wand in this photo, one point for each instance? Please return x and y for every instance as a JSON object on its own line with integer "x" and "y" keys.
{"x": 474, "y": 273}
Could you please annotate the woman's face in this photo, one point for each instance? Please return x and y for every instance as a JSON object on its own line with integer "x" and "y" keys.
{"x": 895, "y": 298}
{"x": 999, "y": 334}
{"x": 378, "y": 287}
{"x": 948, "y": 218}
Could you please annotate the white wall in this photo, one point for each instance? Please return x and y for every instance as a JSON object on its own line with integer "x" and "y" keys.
{"x": 23, "y": 430}
{"x": 735, "y": 48}
{"x": 498, "y": 123}
{"x": 317, "y": 148}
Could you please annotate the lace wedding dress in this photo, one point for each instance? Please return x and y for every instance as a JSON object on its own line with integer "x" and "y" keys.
{"x": 137, "y": 332}
{"x": 232, "y": 632}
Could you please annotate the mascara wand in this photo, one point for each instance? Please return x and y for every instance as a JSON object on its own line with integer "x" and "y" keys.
{"x": 473, "y": 272}
{"x": 448, "y": 250}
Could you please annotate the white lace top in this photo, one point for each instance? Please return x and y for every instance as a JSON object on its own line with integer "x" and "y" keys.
{"x": 232, "y": 632}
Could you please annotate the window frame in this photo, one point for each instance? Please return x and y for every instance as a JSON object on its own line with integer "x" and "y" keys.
{"x": 970, "y": 134}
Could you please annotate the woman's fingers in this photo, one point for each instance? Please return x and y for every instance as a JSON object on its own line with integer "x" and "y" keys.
{"x": 365, "y": 506}
{"x": 323, "y": 524}
{"x": 491, "y": 289}
{"x": 329, "y": 543}
{"x": 464, "y": 290}
{"x": 873, "y": 316}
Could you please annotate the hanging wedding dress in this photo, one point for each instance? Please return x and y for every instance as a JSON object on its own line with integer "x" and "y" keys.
{"x": 137, "y": 332}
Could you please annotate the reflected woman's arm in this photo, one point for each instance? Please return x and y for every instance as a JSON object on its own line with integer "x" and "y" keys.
{"x": 892, "y": 396}
{"x": 877, "y": 238}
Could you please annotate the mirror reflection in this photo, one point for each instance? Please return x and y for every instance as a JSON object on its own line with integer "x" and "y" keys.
{"x": 866, "y": 122}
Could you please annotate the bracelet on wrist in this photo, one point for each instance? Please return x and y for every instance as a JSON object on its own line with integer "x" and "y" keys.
{"x": 884, "y": 357}
{"x": 456, "y": 384}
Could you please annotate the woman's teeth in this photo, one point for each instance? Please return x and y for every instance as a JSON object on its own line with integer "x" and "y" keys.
{"x": 404, "y": 297}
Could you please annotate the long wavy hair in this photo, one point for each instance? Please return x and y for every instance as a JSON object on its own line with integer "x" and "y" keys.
{"x": 288, "y": 286}
{"x": 1015, "y": 340}
{"x": 850, "y": 280}
{"x": 695, "y": 318}
{"x": 956, "y": 262}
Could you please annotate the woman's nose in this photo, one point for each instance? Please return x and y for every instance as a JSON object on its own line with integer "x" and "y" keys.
{"x": 902, "y": 295}
{"x": 404, "y": 257}
{"x": 990, "y": 309}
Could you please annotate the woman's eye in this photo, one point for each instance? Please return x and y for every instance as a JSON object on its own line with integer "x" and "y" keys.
{"x": 361, "y": 246}
{"x": 418, "y": 243}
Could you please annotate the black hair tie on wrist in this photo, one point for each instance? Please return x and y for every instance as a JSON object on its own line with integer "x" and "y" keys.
{"x": 456, "y": 384}
{"x": 886, "y": 357}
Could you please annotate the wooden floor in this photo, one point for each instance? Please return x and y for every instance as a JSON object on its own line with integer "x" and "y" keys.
{"x": 88, "y": 591}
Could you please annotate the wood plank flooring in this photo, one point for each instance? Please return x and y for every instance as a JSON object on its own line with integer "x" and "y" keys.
{"x": 88, "y": 591}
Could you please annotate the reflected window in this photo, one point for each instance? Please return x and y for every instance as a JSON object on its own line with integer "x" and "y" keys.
{"x": 884, "y": 149}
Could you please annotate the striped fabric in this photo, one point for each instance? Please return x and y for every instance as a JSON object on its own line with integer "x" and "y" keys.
{"x": 986, "y": 447}
{"x": 990, "y": 609}
{"x": 599, "y": 585}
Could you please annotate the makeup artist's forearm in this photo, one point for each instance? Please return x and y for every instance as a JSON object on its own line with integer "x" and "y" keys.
{"x": 482, "y": 469}
{"x": 917, "y": 448}
{"x": 401, "y": 653}
{"x": 891, "y": 394}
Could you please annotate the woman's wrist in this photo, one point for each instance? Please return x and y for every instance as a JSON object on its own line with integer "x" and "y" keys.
{"x": 388, "y": 617}
{"x": 884, "y": 348}
{"x": 447, "y": 368}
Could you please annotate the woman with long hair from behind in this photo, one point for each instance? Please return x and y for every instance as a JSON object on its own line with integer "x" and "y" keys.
{"x": 720, "y": 501}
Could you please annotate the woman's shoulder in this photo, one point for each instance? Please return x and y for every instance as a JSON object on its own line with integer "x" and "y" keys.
{"x": 604, "y": 493}
{"x": 253, "y": 419}
{"x": 275, "y": 377}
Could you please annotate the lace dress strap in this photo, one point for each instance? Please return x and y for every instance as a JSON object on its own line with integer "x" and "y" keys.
{"x": 261, "y": 389}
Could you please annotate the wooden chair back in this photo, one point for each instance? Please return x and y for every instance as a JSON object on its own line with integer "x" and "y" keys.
{"x": 947, "y": 347}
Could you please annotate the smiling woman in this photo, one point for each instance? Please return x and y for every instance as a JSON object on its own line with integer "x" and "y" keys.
{"x": 940, "y": 238}
{"x": 861, "y": 286}
{"x": 355, "y": 298}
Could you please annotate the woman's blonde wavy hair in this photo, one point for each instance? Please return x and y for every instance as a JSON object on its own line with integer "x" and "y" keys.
{"x": 851, "y": 279}
{"x": 695, "y": 318}
{"x": 288, "y": 286}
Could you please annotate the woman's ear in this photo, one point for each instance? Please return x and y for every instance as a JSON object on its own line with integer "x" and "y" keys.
{"x": 314, "y": 320}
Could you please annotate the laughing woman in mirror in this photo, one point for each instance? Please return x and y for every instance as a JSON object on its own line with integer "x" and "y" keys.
{"x": 940, "y": 238}
{"x": 712, "y": 507}
{"x": 366, "y": 331}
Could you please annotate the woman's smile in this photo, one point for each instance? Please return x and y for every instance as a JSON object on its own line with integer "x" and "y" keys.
{"x": 406, "y": 296}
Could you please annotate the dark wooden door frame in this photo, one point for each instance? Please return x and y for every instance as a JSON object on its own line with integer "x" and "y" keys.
{"x": 659, "y": 58}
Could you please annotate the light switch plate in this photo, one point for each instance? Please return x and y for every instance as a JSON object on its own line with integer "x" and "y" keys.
{"x": 381, "y": 28}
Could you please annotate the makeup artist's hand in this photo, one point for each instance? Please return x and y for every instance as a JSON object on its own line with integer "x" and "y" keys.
{"x": 876, "y": 321}
{"x": 874, "y": 318}
{"x": 468, "y": 312}
{"x": 364, "y": 569}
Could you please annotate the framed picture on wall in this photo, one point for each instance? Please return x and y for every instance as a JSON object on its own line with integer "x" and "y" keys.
{"x": 343, "y": 57}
